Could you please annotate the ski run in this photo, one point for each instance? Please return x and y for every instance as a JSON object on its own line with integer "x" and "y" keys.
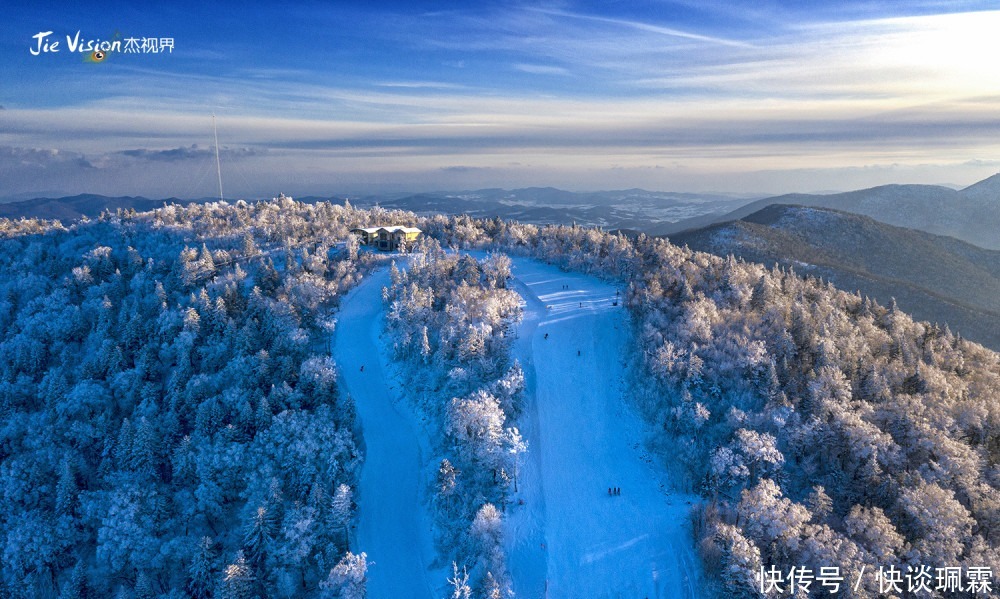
{"x": 593, "y": 516}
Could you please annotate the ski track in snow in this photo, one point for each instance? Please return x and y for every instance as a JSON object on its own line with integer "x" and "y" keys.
{"x": 565, "y": 536}
{"x": 393, "y": 525}
{"x": 570, "y": 538}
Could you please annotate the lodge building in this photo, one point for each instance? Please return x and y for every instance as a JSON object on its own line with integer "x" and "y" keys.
{"x": 387, "y": 238}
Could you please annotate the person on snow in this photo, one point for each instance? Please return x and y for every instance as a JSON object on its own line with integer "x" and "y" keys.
{"x": 362, "y": 368}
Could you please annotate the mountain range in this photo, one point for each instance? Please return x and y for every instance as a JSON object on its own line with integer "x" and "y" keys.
{"x": 933, "y": 277}
{"x": 971, "y": 214}
{"x": 72, "y": 208}
{"x": 631, "y": 209}
{"x": 930, "y": 247}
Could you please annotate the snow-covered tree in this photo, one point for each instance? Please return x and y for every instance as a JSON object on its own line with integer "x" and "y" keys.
{"x": 348, "y": 578}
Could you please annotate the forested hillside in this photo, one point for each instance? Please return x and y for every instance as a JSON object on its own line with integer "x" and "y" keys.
{"x": 169, "y": 420}
{"x": 822, "y": 428}
{"x": 170, "y": 424}
{"x": 934, "y": 278}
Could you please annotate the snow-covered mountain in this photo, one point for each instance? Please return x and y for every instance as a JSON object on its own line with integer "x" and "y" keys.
{"x": 935, "y": 278}
{"x": 969, "y": 214}
{"x": 173, "y": 423}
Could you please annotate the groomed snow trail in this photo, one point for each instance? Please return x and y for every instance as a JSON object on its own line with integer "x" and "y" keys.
{"x": 570, "y": 538}
{"x": 393, "y": 527}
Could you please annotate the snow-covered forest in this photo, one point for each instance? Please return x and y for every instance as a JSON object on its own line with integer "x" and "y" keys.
{"x": 821, "y": 428}
{"x": 172, "y": 426}
{"x": 451, "y": 319}
{"x": 170, "y": 419}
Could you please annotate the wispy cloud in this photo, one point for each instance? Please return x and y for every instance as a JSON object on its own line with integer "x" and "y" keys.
{"x": 192, "y": 152}
{"x": 567, "y": 91}
{"x": 646, "y": 27}
{"x": 420, "y": 85}
{"x": 541, "y": 69}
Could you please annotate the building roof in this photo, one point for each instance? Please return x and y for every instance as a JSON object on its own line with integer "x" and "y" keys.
{"x": 389, "y": 229}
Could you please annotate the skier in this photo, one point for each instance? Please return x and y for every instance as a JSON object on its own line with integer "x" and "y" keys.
{"x": 546, "y": 335}
{"x": 362, "y": 368}
{"x": 609, "y": 491}
{"x": 578, "y": 352}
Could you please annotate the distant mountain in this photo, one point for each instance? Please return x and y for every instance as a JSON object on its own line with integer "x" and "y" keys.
{"x": 633, "y": 209}
{"x": 74, "y": 207}
{"x": 971, "y": 214}
{"x": 934, "y": 278}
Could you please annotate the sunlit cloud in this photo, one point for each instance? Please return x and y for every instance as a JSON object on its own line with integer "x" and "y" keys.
{"x": 573, "y": 93}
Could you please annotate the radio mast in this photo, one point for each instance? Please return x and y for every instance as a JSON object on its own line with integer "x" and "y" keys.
{"x": 218, "y": 165}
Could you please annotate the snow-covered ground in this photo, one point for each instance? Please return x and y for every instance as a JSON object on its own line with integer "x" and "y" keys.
{"x": 566, "y": 537}
{"x": 393, "y": 528}
{"x": 570, "y": 538}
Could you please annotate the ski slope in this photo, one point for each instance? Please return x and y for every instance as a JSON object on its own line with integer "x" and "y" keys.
{"x": 393, "y": 527}
{"x": 565, "y": 536}
{"x": 570, "y": 538}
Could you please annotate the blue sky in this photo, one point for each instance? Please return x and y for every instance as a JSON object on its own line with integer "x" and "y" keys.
{"x": 347, "y": 98}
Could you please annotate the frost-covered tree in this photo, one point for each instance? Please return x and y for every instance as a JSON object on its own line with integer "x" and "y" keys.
{"x": 202, "y": 572}
{"x": 164, "y": 374}
{"x": 342, "y": 509}
{"x": 347, "y": 579}
{"x": 238, "y": 580}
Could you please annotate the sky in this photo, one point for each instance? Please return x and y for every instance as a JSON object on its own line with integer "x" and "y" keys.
{"x": 338, "y": 98}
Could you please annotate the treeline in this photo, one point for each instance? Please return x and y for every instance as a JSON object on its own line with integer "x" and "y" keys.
{"x": 822, "y": 428}
{"x": 169, "y": 419}
{"x": 451, "y": 319}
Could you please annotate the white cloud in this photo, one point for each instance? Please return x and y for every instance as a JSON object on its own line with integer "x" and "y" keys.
{"x": 541, "y": 69}
{"x": 914, "y": 91}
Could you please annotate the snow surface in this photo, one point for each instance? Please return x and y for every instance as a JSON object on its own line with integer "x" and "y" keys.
{"x": 570, "y": 538}
{"x": 393, "y": 527}
{"x": 565, "y": 536}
